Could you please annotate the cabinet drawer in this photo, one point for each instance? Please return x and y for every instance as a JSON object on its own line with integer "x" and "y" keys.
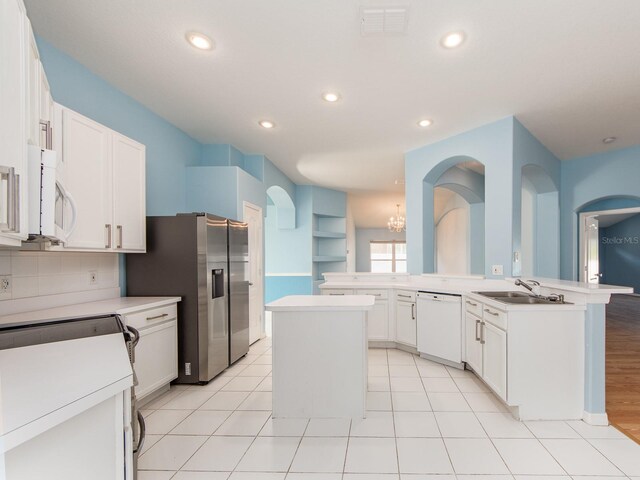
{"x": 156, "y": 358}
{"x": 376, "y": 293}
{"x": 151, "y": 317}
{"x": 473, "y": 306}
{"x": 494, "y": 317}
{"x": 405, "y": 296}
{"x": 337, "y": 291}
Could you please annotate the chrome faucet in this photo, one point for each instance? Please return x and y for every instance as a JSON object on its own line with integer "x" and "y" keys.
{"x": 526, "y": 285}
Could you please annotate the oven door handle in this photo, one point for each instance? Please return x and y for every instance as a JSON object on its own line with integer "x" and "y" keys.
{"x": 143, "y": 432}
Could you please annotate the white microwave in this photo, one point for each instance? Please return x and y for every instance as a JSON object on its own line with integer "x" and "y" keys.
{"x": 49, "y": 216}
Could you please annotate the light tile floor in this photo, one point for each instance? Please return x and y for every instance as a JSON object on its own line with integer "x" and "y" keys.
{"x": 424, "y": 422}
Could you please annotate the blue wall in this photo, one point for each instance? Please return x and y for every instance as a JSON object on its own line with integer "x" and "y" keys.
{"x": 169, "y": 150}
{"x": 492, "y": 145}
{"x": 620, "y": 253}
{"x": 587, "y": 180}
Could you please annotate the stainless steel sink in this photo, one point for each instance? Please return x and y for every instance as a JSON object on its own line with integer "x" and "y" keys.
{"x": 525, "y": 300}
{"x": 520, "y": 298}
{"x": 504, "y": 294}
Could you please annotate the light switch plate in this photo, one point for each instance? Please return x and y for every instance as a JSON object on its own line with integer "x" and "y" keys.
{"x": 497, "y": 270}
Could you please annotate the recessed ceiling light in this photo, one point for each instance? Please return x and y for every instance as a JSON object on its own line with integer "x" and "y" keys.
{"x": 609, "y": 139}
{"x": 266, "y": 124}
{"x": 331, "y": 97}
{"x": 452, "y": 40}
{"x": 200, "y": 41}
{"x": 425, "y": 122}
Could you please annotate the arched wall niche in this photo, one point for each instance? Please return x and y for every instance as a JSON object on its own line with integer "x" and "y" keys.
{"x": 284, "y": 207}
{"x": 454, "y": 224}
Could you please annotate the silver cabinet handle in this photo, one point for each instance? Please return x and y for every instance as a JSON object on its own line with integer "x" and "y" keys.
{"x": 413, "y": 314}
{"x": 404, "y": 296}
{"x": 158, "y": 316}
{"x": 482, "y": 327}
{"x": 107, "y": 227}
{"x": 119, "y": 229}
{"x": 472, "y": 304}
{"x": 491, "y": 313}
{"x": 13, "y": 202}
{"x": 336, "y": 294}
{"x": 477, "y": 334}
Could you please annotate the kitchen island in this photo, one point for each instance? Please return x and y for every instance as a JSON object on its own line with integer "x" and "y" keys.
{"x": 320, "y": 356}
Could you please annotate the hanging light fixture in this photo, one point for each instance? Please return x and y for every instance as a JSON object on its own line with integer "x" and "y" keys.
{"x": 397, "y": 223}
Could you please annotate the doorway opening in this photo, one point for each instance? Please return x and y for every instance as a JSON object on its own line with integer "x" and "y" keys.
{"x": 458, "y": 219}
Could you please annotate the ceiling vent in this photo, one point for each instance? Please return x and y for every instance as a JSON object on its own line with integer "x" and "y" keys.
{"x": 383, "y": 20}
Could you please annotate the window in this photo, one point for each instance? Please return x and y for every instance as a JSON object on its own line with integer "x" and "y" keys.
{"x": 388, "y": 257}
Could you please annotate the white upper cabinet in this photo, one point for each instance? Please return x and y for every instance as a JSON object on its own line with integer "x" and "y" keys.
{"x": 13, "y": 137}
{"x": 128, "y": 193}
{"x": 88, "y": 179}
{"x": 104, "y": 172}
{"x": 34, "y": 72}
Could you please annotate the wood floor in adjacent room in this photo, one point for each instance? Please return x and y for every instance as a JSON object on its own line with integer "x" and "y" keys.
{"x": 623, "y": 364}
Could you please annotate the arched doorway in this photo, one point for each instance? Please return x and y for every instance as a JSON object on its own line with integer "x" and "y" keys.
{"x": 457, "y": 224}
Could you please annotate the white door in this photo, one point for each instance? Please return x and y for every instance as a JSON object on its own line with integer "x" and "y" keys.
{"x": 592, "y": 237}
{"x": 378, "y": 321}
{"x": 129, "y": 194}
{"x": 13, "y": 144}
{"x": 406, "y": 323}
{"x": 88, "y": 178}
{"x": 473, "y": 351}
{"x": 253, "y": 218}
{"x": 494, "y": 359}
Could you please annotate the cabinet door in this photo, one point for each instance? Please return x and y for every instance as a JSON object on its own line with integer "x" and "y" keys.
{"x": 128, "y": 194}
{"x": 33, "y": 88}
{"x": 473, "y": 349}
{"x": 46, "y": 104}
{"x": 406, "y": 323}
{"x": 378, "y": 321}
{"x": 494, "y": 358}
{"x": 88, "y": 179}
{"x": 13, "y": 143}
{"x": 156, "y": 357}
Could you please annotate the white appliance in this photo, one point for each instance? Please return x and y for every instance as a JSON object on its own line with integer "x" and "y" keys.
{"x": 49, "y": 217}
{"x": 440, "y": 327}
{"x": 65, "y": 403}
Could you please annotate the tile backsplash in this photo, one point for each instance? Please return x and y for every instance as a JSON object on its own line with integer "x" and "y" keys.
{"x": 36, "y": 274}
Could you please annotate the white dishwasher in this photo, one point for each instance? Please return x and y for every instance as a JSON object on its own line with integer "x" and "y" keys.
{"x": 440, "y": 327}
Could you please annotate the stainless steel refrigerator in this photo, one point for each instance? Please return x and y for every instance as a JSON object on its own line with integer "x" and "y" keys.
{"x": 203, "y": 259}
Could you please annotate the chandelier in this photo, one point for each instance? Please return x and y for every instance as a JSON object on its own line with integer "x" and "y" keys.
{"x": 397, "y": 223}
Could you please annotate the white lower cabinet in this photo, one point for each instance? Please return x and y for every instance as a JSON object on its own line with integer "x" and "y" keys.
{"x": 473, "y": 345}
{"x": 494, "y": 359}
{"x": 486, "y": 345}
{"x": 406, "y": 323}
{"x": 378, "y": 319}
{"x": 156, "y": 355}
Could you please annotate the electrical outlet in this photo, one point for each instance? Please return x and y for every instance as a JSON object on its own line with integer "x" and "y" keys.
{"x": 93, "y": 277}
{"x": 5, "y": 284}
{"x": 497, "y": 270}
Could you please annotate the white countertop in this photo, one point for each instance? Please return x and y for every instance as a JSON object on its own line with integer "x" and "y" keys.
{"x": 119, "y": 305}
{"x": 463, "y": 285}
{"x": 321, "y": 303}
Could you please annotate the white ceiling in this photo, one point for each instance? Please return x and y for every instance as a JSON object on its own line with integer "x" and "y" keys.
{"x": 569, "y": 70}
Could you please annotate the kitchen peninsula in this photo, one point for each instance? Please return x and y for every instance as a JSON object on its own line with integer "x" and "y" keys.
{"x": 320, "y": 348}
{"x": 544, "y": 359}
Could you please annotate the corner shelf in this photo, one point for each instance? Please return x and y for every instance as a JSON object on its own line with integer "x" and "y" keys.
{"x": 329, "y": 258}
{"x": 319, "y": 234}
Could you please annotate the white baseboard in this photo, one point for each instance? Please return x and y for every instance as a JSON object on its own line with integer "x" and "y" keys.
{"x": 600, "y": 419}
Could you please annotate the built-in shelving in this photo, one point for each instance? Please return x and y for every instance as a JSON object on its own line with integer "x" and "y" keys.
{"x": 329, "y": 258}
{"x": 319, "y": 234}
